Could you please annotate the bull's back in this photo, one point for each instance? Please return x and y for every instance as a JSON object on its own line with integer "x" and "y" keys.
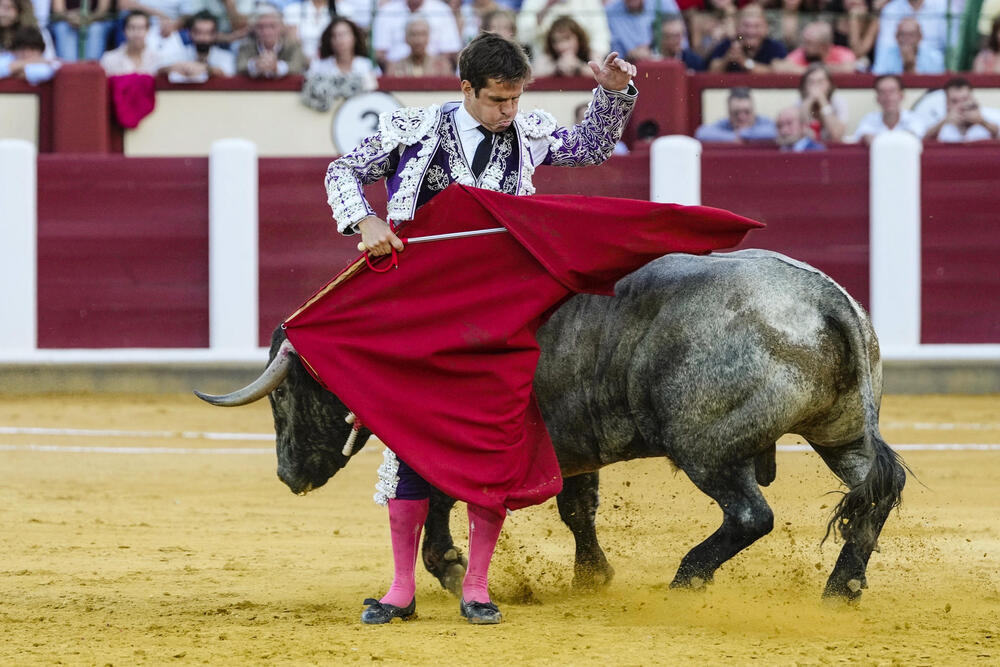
{"x": 734, "y": 348}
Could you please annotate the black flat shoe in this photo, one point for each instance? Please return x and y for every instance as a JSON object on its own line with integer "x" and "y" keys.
{"x": 380, "y": 612}
{"x": 480, "y": 613}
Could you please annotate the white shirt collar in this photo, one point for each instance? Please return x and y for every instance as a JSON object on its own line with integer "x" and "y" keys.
{"x": 464, "y": 119}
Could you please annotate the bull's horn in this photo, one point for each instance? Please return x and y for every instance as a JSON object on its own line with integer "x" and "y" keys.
{"x": 262, "y": 386}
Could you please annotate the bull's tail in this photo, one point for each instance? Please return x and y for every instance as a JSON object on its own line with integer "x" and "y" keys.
{"x": 859, "y": 515}
{"x": 862, "y": 511}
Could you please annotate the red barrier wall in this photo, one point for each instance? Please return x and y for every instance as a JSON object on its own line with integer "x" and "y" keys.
{"x": 961, "y": 244}
{"x": 122, "y": 252}
{"x": 123, "y": 243}
{"x": 815, "y": 205}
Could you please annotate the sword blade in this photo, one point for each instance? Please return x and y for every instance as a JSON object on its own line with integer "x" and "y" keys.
{"x": 455, "y": 235}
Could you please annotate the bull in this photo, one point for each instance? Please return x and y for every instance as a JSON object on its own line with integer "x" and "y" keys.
{"x": 703, "y": 360}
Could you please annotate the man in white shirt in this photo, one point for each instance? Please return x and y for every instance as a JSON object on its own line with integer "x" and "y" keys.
{"x": 965, "y": 121}
{"x": 201, "y": 59}
{"x": 389, "y": 29}
{"x": 892, "y": 117}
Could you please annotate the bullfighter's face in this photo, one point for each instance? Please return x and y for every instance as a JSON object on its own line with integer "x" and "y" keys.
{"x": 495, "y": 105}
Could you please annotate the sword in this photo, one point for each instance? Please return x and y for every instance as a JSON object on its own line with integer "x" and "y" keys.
{"x": 443, "y": 237}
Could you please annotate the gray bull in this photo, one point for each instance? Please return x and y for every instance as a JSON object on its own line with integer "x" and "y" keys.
{"x": 705, "y": 361}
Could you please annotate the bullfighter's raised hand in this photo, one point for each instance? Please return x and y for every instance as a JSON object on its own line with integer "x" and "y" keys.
{"x": 614, "y": 73}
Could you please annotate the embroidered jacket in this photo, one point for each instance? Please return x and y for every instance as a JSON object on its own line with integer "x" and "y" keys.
{"x": 418, "y": 151}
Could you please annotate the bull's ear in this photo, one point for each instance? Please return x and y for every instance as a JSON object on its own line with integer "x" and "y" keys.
{"x": 272, "y": 376}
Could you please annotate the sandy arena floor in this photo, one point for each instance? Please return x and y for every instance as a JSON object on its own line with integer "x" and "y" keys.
{"x": 189, "y": 550}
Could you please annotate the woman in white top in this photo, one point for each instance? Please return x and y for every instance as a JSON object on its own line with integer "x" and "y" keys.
{"x": 305, "y": 20}
{"x": 342, "y": 50}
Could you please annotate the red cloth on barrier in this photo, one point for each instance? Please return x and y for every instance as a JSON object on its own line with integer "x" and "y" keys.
{"x": 437, "y": 357}
{"x": 133, "y": 97}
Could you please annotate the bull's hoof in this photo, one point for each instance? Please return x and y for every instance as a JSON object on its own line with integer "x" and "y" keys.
{"x": 593, "y": 577}
{"x": 452, "y": 578}
{"x": 692, "y": 583}
{"x": 846, "y": 591}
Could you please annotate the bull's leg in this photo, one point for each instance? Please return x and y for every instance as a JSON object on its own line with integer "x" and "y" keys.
{"x": 578, "y": 508}
{"x": 875, "y": 478}
{"x": 441, "y": 557}
{"x": 746, "y": 517}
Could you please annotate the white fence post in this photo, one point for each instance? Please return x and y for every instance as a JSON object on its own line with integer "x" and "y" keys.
{"x": 232, "y": 239}
{"x": 894, "y": 238}
{"x": 18, "y": 246}
{"x": 675, "y": 170}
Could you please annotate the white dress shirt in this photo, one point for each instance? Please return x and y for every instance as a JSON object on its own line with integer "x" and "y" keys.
{"x": 873, "y": 124}
{"x": 470, "y": 136}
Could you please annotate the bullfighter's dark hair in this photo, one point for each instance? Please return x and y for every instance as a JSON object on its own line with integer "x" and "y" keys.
{"x": 490, "y": 56}
{"x": 326, "y": 48}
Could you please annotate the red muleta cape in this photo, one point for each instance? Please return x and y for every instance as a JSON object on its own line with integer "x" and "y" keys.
{"x": 438, "y": 356}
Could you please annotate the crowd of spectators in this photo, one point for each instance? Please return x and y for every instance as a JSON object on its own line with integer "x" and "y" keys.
{"x": 341, "y": 46}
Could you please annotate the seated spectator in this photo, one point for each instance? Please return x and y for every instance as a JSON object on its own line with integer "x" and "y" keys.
{"x": 989, "y": 11}
{"x": 26, "y": 58}
{"x": 817, "y": 47}
{"x": 166, "y": 17}
{"x": 305, "y": 21}
{"x": 825, "y": 111}
{"x": 419, "y": 62}
{"x": 343, "y": 50}
{"x": 502, "y": 22}
{"x": 17, "y": 14}
{"x": 265, "y": 54}
{"x": 893, "y": 117}
{"x": 537, "y": 16}
{"x": 389, "y": 30}
{"x": 471, "y": 14}
{"x": 933, "y": 17}
{"x": 200, "y": 59}
{"x": 709, "y": 22}
{"x": 792, "y": 136}
{"x": 134, "y": 55}
{"x": 343, "y": 68}
{"x": 672, "y": 44}
{"x": 862, "y": 30}
{"x": 631, "y": 25}
{"x": 964, "y": 120}
{"x": 910, "y": 54}
{"x": 66, "y": 22}
{"x": 233, "y": 17}
{"x": 566, "y": 52}
{"x": 988, "y": 59}
{"x": 752, "y": 50}
{"x": 742, "y": 126}
{"x": 358, "y": 11}
{"x": 579, "y": 114}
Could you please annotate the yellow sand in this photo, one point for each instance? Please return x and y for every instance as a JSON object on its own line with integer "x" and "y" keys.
{"x": 207, "y": 558}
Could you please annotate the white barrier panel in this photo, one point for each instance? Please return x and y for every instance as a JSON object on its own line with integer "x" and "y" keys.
{"x": 232, "y": 239}
{"x": 18, "y": 246}
{"x": 675, "y": 171}
{"x": 894, "y": 238}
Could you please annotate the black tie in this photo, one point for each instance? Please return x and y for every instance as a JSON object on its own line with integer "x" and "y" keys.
{"x": 483, "y": 150}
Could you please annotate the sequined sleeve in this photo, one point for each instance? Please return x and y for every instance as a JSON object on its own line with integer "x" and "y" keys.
{"x": 346, "y": 176}
{"x": 594, "y": 139}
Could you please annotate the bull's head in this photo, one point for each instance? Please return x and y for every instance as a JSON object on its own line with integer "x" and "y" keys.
{"x": 309, "y": 421}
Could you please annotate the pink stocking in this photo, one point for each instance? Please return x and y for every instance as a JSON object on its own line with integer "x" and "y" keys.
{"x": 484, "y": 531}
{"x": 406, "y": 519}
